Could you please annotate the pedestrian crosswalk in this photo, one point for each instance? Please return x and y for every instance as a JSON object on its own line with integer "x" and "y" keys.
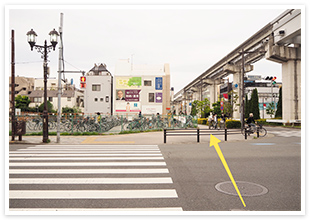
{"x": 92, "y": 178}
{"x": 290, "y": 133}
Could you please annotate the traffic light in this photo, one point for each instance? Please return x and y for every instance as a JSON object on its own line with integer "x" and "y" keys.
{"x": 272, "y": 78}
{"x": 83, "y": 82}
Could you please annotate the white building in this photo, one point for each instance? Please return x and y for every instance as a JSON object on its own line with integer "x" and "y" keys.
{"x": 141, "y": 88}
{"x": 98, "y": 91}
{"x": 70, "y": 97}
{"x": 267, "y": 94}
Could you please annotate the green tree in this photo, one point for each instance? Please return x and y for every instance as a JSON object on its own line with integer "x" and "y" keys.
{"x": 246, "y": 107}
{"x": 254, "y": 106}
{"x": 194, "y": 110}
{"x": 270, "y": 109}
{"x": 49, "y": 107}
{"x": 217, "y": 108}
{"x": 279, "y": 106}
{"x": 201, "y": 107}
{"x": 206, "y": 108}
{"x": 22, "y": 102}
{"x": 228, "y": 109}
{"x": 68, "y": 110}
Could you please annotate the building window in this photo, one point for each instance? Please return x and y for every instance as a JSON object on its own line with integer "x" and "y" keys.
{"x": 50, "y": 99}
{"x": 101, "y": 99}
{"x": 96, "y": 99}
{"x": 147, "y": 82}
{"x": 107, "y": 98}
{"x": 38, "y": 100}
{"x": 96, "y": 87}
{"x": 69, "y": 99}
{"x": 151, "y": 97}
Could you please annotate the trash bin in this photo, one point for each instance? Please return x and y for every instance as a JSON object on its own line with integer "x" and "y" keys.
{"x": 20, "y": 129}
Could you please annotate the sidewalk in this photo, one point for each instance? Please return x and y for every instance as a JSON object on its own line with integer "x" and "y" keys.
{"x": 144, "y": 138}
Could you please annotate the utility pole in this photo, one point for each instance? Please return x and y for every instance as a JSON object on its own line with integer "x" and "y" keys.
{"x": 242, "y": 92}
{"x": 13, "y": 120}
{"x": 60, "y": 63}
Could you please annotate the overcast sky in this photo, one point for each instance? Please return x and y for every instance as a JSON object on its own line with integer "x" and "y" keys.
{"x": 191, "y": 39}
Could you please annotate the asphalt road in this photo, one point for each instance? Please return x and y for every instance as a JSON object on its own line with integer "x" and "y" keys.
{"x": 178, "y": 176}
{"x": 272, "y": 163}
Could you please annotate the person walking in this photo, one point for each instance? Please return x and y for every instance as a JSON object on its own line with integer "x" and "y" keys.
{"x": 210, "y": 120}
{"x": 215, "y": 121}
{"x": 223, "y": 120}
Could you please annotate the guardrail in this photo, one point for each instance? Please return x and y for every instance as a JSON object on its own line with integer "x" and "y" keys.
{"x": 197, "y": 132}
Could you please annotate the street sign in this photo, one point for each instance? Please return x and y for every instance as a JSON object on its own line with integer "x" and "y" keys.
{"x": 254, "y": 77}
{"x": 222, "y": 103}
{"x": 222, "y": 108}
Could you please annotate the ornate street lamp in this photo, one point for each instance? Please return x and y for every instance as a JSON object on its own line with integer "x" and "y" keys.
{"x": 44, "y": 50}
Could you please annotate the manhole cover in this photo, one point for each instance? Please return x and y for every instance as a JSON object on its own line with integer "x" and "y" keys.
{"x": 245, "y": 188}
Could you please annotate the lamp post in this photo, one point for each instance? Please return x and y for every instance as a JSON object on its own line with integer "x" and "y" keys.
{"x": 44, "y": 50}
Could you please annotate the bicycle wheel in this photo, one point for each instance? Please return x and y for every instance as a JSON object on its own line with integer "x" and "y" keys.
{"x": 65, "y": 127}
{"x": 243, "y": 131}
{"x": 81, "y": 128}
{"x": 262, "y": 132}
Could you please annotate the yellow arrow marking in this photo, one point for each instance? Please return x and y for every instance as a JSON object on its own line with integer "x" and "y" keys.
{"x": 214, "y": 142}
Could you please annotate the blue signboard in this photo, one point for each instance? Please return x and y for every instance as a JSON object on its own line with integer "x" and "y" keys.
{"x": 261, "y": 105}
{"x": 159, "y": 83}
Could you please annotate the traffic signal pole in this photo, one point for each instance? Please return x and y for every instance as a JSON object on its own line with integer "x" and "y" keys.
{"x": 273, "y": 81}
{"x": 13, "y": 123}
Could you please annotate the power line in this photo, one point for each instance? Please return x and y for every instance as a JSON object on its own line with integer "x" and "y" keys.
{"x": 73, "y": 65}
{"x": 26, "y": 62}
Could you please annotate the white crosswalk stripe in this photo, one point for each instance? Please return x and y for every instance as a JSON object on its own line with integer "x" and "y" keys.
{"x": 290, "y": 133}
{"x": 88, "y": 171}
{"x": 60, "y": 176}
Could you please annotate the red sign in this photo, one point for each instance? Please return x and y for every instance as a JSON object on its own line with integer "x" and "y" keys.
{"x": 132, "y": 95}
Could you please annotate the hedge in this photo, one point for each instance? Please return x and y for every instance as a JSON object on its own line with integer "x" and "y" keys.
{"x": 202, "y": 121}
{"x": 237, "y": 124}
{"x": 233, "y": 123}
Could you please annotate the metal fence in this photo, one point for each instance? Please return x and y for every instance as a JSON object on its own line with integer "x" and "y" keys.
{"x": 71, "y": 123}
{"x": 200, "y": 132}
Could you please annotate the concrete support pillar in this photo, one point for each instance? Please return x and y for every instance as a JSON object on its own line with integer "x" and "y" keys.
{"x": 213, "y": 89}
{"x": 291, "y": 90}
{"x": 290, "y": 58}
{"x": 166, "y": 89}
{"x": 213, "y": 93}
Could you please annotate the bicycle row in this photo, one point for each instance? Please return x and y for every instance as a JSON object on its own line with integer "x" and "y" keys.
{"x": 79, "y": 124}
{"x": 102, "y": 124}
{"x": 157, "y": 122}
